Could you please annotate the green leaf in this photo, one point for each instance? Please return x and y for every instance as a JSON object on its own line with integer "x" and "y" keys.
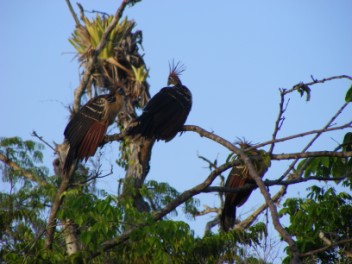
{"x": 348, "y": 97}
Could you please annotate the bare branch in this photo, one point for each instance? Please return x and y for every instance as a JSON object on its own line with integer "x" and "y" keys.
{"x": 34, "y": 134}
{"x": 208, "y": 210}
{"x": 203, "y": 133}
{"x": 250, "y": 219}
{"x": 319, "y": 81}
{"x": 271, "y": 183}
{"x": 273, "y": 210}
{"x": 279, "y": 121}
{"x": 326, "y": 128}
{"x": 74, "y": 15}
{"x": 259, "y": 182}
{"x": 318, "y": 132}
{"x": 300, "y": 155}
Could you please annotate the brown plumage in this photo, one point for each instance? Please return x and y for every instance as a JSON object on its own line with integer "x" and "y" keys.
{"x": 166, "y": 112}
{"x": 239, "y": 177}
{"x": 86, "y": 130}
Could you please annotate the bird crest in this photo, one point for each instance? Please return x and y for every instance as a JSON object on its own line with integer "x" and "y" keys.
{"x": 175, "y": 70}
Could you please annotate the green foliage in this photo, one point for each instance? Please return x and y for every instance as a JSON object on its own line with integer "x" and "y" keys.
{"x": 26, "y": 154}
{"x": 22, "y": 208}
{"x": 330, "y": 167}
{"x": 322, "y": 212}
{"x": 97, "y": 219}
{"x": 348, "y": 97}
{"x": 159, "y": 194}
{"x": 227, "y": 246}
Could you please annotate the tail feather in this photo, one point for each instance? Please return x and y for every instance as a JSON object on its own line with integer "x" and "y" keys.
{"x": 228, "y": 217}
{"x": 84, "y": 146}
{"x": 70, "y": 159}
{"x": 91, "y": 140}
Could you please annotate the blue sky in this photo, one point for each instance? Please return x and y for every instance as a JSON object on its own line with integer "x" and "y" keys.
{"x": 237, "y": 54}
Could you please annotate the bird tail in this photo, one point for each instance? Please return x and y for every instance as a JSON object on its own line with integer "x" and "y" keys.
{"x": 228, "y": 217}
{"x": 70, "y": 160}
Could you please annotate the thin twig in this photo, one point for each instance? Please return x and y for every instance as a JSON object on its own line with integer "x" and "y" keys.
{"x": 302, "y": 155}
{"x": 74, "y": 15}
{"x": 279, "y": 121}
{"x": 319, "y": 81}
{"x": 310, "y": 143}
{"x": 34, "y": 134}
{"x": 317, "y": 131}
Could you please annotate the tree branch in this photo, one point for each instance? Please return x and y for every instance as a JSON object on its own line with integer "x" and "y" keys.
{"x": 90, "y": 65}
{"x": 300, "y": 155}
{"x": 318, "y": 132}
{"x": 310, "y": 143}
{"x": 183, "y": 197}
{"x": 279, "y": 121}
{"x": 74, "y": 15}
{"x": 58, "y": 199}
{"x": 250, "y": 219}
{"x": 313, "y": 252}
{"x": 29, "y": 175}
{"x": 273, "y": 210}
{"x": 319, "y": 81}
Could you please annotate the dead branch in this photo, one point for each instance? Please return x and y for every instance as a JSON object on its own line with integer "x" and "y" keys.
{"x": 74, "y": 15}
{"x": 279, "y": 121}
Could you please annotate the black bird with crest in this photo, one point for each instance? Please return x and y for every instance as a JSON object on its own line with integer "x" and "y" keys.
{"x": 166, "y": 112}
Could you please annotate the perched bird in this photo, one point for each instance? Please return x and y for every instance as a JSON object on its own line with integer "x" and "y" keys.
{"x": 86, "y": 130}
{"x": 166, "y": 112}
{"x": 238, "y": 177}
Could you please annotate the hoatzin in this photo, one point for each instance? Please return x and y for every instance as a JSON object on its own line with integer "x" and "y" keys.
{"x": 86, "y": 130}
{"x": 238, "y": 177}
{"x": 166, "y": 112}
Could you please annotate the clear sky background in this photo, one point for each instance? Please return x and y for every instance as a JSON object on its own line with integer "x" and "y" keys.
{"x": 237, "y": 54}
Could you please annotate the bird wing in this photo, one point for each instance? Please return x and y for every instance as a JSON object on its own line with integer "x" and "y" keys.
{"x": 86, "y": 130}
{"x": 159, "y": 101}
{"x": 237, "y": 178}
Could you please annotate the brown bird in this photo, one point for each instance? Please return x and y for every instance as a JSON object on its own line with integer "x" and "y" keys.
{"x": 238, "y": 177}
{"x": 86, "y": 130}
{"x": 166, "y": 112}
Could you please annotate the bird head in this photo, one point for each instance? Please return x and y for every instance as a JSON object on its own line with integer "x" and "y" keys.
{"x": 176, "y": 70}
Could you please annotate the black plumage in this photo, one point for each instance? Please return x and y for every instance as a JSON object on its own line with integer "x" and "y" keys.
{"x": 166, "y": 112}
{"x": 86, "y": 130}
